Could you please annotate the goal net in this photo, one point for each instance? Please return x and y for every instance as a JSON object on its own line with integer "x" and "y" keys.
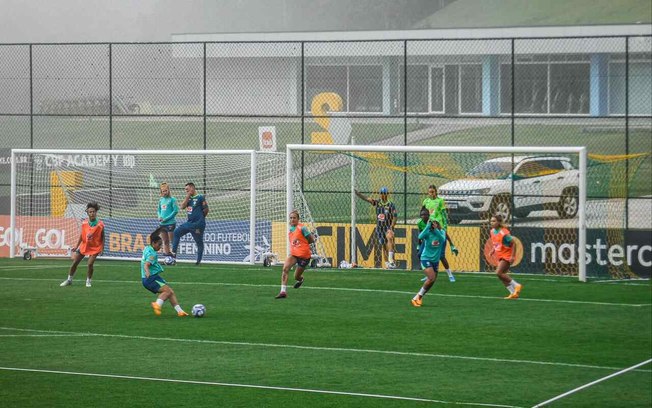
{"x": 247, "y": 220}
{"x": 539, "y": 191}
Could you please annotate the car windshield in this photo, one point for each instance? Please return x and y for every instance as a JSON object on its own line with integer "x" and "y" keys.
{"x": 491, "y": 170}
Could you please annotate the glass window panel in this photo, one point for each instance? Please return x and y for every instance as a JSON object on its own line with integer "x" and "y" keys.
{"x": 437, "y": 89}
{"x": 569, "y": 88}
{"x": 325, "y": 79}
{"x": 365, "y": 88}
{"x": 417, "y": 88}
{"x": 531, "y": 88}
{"x": 471, "y": 88}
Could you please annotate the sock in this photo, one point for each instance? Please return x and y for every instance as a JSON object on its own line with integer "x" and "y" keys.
{"x": 160, "y": 302}
{"x": 391, "y": 256}
{"x": 448, "y": 271}
{"x": 514, "y": 283}
{"x": 422, "y": 292}
{"x": 178, "y": 308}
{"x": 70, "y": 278}
{"x": 510, "y": 287}
{"x": 284, "y": 288}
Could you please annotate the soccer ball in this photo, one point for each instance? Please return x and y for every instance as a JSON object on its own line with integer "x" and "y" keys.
{"x": 198, "y": 310}
{"x": 169, "y": 260}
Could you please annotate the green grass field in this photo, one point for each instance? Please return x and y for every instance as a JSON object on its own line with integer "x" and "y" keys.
{"x": 346, "y": 338}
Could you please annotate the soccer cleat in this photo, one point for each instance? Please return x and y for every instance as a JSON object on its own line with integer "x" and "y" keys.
{"x": 157, "y": 308}
{"x": 182, "y": 314}
{"x": 298, "y": 283}
{"x": 517, "y": 289}
{"x": 451, "y": 278}
{"x": 281, "y": 295}
{"x": 88, "y": 283}
{"x": 67, "y": 282}
{"x": 391, "y": 265}
{"x": 512, "y": 296}
{"x": 416, "y": 302}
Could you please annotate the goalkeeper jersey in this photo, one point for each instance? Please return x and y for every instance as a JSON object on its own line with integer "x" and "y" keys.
{"x": 167, "y": 210}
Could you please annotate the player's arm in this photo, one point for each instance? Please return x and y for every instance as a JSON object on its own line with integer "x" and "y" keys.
{"x": 103, "y": 241}
{"x": 364, "y": 197}
{"x": 184, "y": 204}
{"x": 81, "y": 238}
{"x": 309, "y": 236}
{"x": 423, "y": 234}
{"x": 508, "y": 241}
{"x": 147, "y": 274}
{"x": 204, "y": 207}
{"x": 159, "y": 212}
{"x": 175, "y": 211}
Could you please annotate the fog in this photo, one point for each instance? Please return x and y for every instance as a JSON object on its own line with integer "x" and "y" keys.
{"x": 23, "y": 21}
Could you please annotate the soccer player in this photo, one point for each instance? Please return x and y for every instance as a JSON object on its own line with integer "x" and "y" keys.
{"x": 503, "y": 250}
{"x": 433, "y": 238}
{"x": 167, "y": 212}
{"x": 437, "y": 207}
{"x": 90, "y": 243}
{"x": 300, "y": 239}
{"x": 197, "y": 209}
{"x": 150, "y": 273}
{"x": 386, "y": 216}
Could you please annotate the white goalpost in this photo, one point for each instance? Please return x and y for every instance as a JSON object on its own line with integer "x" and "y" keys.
{"x": 548, "y": 182}
{"x": 245, "y": 192}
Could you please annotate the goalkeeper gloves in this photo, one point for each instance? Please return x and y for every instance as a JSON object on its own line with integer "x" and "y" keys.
{"x": 454, "y": 250}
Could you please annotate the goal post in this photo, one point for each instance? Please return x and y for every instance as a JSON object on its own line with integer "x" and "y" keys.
{"x": 338, "y": 170}
{"x": 245, "y": 192}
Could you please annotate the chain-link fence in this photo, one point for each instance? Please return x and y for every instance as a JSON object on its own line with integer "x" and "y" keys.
{"x": 592, "y": 91}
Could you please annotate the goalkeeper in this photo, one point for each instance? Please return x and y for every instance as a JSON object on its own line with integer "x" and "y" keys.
{"x": 197, "y": 210}
{"x": 437, "y": 208}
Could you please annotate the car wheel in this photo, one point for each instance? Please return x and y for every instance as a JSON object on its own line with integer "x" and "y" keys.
{"x": 500, "y": 205}
{"x": 568, "y": 204}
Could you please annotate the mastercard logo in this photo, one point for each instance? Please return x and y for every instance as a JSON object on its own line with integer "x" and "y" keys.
{"x": 493, "y": 260}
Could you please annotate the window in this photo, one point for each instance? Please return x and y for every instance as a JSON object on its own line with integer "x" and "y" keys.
{"x": 365, "y": 88}
{"x": 326, "y": 79}
{"x": 531, "y": 88}
{"x": 417, "y": 88}
{"x": 471, "y": 88}
{"x": 436, "y": 89}
{"x": 569, "y": 88}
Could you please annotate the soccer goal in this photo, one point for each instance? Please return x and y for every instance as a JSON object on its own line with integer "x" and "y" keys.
{"x": 245, "y": 192}
{"x": 540, "y": 192}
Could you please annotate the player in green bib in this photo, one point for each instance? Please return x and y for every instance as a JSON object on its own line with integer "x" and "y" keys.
{"x": 150, "y": 274}
{"x": 437, "y": 208}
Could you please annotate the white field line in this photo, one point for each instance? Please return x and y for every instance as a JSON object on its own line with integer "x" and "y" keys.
{"x": 316, "y": 348}
{"x": 44, "y": 335}
{"x": 376, "y": 271}
{"x": 592, "y": 383}
{"x": 401, "y": 292}
{"x": 261, "y": 387}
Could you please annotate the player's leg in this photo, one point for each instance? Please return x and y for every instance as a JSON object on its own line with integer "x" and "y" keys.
{"x": 289, "y": 263}
{"x": 511, "y": 285}
{"x": 431, "y": 271}
{"x": 444, "y": 262}
{"x": 167, "y": 235}
{"x": 91, "y": 269}
{"x": 380, "y": 249}
{"x": 173, "y": 301}
{"x": 156, "y": 285}
{"x": 298, "y": 272}
{"x": 389, "y": 234}
{"x": 182, "y": 230}
{"x": 198, "y": 236}
{"x": 76, "y": 259}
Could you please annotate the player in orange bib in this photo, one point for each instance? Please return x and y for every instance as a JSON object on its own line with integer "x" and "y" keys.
{"x": 503, "y": 250}
{"x": 300, "y": 239}
{"x": 91, "y": 244}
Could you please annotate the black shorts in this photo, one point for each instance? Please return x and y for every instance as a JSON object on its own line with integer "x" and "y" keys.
{"x": 169, "y": 227}
{"x": 302, "y": 262}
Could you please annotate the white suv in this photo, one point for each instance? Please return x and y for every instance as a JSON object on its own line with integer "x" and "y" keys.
{"x": 540, "y": 183}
